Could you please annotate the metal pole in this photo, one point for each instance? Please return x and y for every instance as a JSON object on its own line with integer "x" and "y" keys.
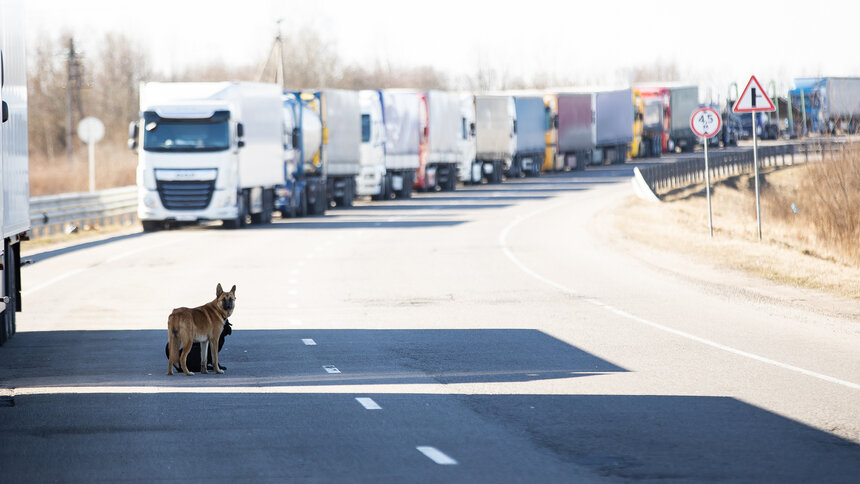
{"x": 708, "y": 188}
{"x": 92, "y": 155}
{"x": 755, "y": 165}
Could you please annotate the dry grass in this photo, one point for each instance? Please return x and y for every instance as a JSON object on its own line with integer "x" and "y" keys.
{"x": 814, "y": 244}
{"x": 115, "y": 166}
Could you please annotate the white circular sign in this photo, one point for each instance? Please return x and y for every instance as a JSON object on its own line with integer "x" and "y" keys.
{"x": 91, "y": 130}
{"x": 706, "y": 122}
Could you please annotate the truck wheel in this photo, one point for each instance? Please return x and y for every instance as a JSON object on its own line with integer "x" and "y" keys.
{"x": 242, "y": 218}
{"x": 150, "y": 225}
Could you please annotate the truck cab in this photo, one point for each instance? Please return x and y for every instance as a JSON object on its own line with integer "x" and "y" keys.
{"x": 188, "y": 163}
{"x": 369, "y": 181}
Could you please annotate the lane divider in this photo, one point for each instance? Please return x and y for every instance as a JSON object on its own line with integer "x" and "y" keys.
{"x": 368, "y": 403}
{"x": 436, "y": 455}
{"x": 503, "y": 242}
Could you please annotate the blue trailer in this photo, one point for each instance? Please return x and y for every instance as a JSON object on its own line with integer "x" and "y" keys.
{"x": 531, "y": 123}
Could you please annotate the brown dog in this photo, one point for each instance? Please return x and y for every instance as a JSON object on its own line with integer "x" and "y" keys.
{"x": 203, "y": 324}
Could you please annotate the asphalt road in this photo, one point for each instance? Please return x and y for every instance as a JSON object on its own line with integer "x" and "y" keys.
{"x": 492, "y": 334}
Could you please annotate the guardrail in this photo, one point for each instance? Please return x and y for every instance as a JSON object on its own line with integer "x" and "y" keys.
{"x": 662, "y": 178}
{"x": 65, "y": 212}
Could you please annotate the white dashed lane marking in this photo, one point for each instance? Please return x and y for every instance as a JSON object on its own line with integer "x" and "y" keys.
{"x": 309, "y": 342}
{"x": 368, "y": 403}
{"x": 436, "y": 455}
{"x": 330, "y": 369}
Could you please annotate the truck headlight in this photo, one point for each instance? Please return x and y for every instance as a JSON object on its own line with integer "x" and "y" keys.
{"x": 149, "y": 201}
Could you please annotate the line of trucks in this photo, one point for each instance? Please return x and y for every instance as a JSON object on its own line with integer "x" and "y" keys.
{"x": 240, "y": 152}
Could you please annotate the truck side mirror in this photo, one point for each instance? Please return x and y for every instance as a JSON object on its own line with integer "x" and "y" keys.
{"x": 240, "y": 133}
{"x": 472, "y": 129}
{"x": 514, "y": 130}
{"x": 132, "y": 135}
{"x": 555, "y": 121}
{"x": 295, "y": 137}
{"x": 5, "y": 112}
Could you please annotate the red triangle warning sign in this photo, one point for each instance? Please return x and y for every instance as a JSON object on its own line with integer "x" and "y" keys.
{"x": 753, "y": 99}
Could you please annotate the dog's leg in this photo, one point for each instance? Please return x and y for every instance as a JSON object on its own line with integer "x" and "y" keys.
{"x": 172, "y": 347}
{"x": 214, "y": 345}
{"x": 183, "y": 358}
{"x": 204, "y": 354}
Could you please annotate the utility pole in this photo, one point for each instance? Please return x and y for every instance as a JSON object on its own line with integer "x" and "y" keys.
{"x": 276, "y": 56}
{"x": 73, "y": 97}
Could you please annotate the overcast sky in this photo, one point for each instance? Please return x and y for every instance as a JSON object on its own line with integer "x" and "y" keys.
{"x": 712, "y": 42}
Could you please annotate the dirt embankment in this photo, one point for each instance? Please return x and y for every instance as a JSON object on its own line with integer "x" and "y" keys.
{"x": 810, "y": 226}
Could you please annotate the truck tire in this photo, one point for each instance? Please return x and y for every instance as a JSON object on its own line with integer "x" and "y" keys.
{"x": 242, "y": 218}
{"x": 406, "y": 191}
{"x": 150, "y": 225}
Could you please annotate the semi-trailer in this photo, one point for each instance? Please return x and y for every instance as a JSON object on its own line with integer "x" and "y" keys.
{"x": 594, "y": 126}
{"x": 551, "y": 161}
{"x": 495, "y": 135}
{"x": 14, "y": 172}
{"x": 439, "y": 141}
{"x": 304, "y": 189}
{"x": 401, "y": 118}
{"x": 208, "y": 151}
{"x": 469, "y": 170}
{"x": 679, "y": 102}
{"x": 531, "y": 117}
{"x": 340, "y": 112}
{"x": 647, "y": 126}
{"x": 371, "y": 176}
{"x": 830, "y": 104}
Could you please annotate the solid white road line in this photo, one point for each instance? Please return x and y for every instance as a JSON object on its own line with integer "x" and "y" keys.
{"x": 309, "y": 342}
{"x": 503, "y": 236}
{"x": 436, "y": 455}
{"x": 330, "y": 369}
{"x": 368, "y": 403}
{"x": 295, "y": 322}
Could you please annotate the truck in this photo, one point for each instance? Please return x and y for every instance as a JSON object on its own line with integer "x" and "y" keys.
{"x": 679, "y": 102}
{"x": 469, "y": 170}
{"x": 551, "y": 160}
{"x": 371, "y": 176}
{"x": 439, "y": 142}
{"x": 647, "y": 126}
{"x": 594, "y": 126}
{"x": 208, "y": 151}
{"x": 833, "y": 103}
{"x": 495, "y": 135}
{"x": 340, "y": 112}
{"x": 304, "y": 189}
{"x": 391, "y": 131}
{"x": 14, "y": 173}
{"x": 531, "y": 117}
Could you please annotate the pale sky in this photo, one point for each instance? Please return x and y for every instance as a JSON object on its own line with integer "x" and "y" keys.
{"x": 712, "y": 42}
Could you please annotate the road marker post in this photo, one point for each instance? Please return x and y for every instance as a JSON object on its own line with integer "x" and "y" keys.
{"x": 754, "y": 100}
{"x": 706, "y": 123}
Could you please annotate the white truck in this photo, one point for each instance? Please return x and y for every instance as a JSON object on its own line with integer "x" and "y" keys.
{"x": 440, "y": 141}
{"x": 340, "y": 112}
{"x": 371, "y": 176}
{"x": 469, "y": 170}
{"x": 208, "y": 151}
{"x": 496, "y": 134}
{"x": 14, "y": 173}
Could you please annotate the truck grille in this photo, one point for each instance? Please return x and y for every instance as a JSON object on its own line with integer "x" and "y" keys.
{"x": 185, "y": 195}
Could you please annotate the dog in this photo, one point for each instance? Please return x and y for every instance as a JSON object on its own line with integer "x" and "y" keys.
{"x": 203, "y": 324}
{"x": 193, "y": 360}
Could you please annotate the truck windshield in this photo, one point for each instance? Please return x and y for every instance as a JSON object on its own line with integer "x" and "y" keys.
{"x": 170, "y": 134}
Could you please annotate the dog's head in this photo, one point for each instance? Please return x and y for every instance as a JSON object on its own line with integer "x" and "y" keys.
{"x": 226, "y": 301}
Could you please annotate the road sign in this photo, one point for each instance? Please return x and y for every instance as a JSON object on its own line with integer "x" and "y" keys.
{"x": 753, "y": 99}
{"x": 706, "y": 122}
{"x": 91, "y": 130}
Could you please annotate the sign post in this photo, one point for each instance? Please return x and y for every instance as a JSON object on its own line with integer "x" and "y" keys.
{"x": 754, "y": 100}
{"x": 91, "y": 131}
{"x": 706, "y": 123}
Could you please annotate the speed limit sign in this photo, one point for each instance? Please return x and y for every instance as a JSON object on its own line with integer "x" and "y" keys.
{"x": 705, "y": 122}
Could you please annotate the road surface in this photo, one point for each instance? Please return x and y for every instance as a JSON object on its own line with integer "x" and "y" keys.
{"x": 492, "y": 334}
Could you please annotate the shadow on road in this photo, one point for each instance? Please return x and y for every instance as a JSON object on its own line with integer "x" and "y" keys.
{"x": 280, "y": 357}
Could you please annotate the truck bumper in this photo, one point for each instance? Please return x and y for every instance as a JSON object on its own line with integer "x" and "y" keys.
{"x": 222, "y": 207}
{"x": 369, "y": 180}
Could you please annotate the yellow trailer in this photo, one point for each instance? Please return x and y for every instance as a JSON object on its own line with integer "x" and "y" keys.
{"x": 551, "y": 160}
{"x": 636, "y": 149}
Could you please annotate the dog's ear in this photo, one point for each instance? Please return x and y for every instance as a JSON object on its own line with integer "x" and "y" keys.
{"x": 218, "y": 290}
{"x": 233, "y": 291}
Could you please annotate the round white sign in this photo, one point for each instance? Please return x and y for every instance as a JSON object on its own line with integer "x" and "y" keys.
{"x": 91, "y": 130}
{"x": 706, "y": 122}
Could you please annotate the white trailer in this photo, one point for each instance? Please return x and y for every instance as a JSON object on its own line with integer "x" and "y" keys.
{"x": 14, "y": 173}
{"x": 440, "y": 140}
{"x": 208, "y": 151}
{"x": 341, "y": 118}
{"x": 469, "y": 170}
{"x": 401, "y": 113}
{"x": 495, "y": 134}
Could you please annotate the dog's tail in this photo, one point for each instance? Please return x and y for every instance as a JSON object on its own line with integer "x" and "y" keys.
{"x": 172, "y": 341}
